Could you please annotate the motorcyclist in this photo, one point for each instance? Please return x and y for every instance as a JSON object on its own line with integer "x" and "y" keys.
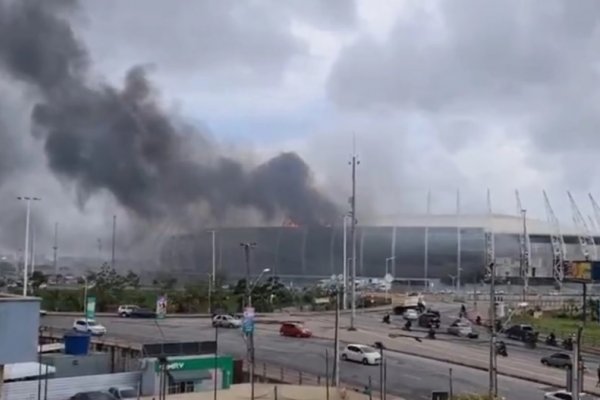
{"x": 551, "y": 339}
{"x": 407, "y": 325}
{"x": 478, "y": 320}
{"x": 386, "y": 319}
{"x": 568, "y": 343}
{"x": 463, "y": 311}
{"x": 501, "y": 349}
{"x": 431, "y": 332}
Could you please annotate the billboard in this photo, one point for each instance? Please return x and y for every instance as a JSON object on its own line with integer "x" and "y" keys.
{"x": 582, "y": 270}
{"x": 161, "y": 307}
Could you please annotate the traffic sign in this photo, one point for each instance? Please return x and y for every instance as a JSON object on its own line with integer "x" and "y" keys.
{"x": 388, "y": 278}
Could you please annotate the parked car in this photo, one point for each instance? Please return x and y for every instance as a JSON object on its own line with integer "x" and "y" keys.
{"x": 559, "y": 360}
{"x": 125, "y": 310}
{"x": 294, "y": 329}
{"x": 89, "y": 326}
{"x": 429, "y": 317}
{"x": 361, "y": 353}
{"x": 518, "y": 332}
{"x": 461, "y": 328}
{"x": 142, "y": 313}
{"x": 563, "y": 395}
{"x": 43, "y": 313}
{"x": 123, "y": 393}
{"x": 226, "y": 321}
{"x": 97, "y": 395}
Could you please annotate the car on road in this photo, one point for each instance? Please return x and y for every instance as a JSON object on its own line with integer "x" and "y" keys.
{"x": 563, "y": 395}
{"x": 96, "y": 395}
{"x": 142, "y": 313}
{"x": 559, "y": 360}
{"x": 226, "y": 321}
{"x": 126, "y": 310}
{"x": 462, "y": 327}
{"x": 123, "y": 393}
{"x": 518, "y": 332}
{"x": 294, "y": 329}
{"x": 361, "y": 353}
{"x": 43, "y": 313}
{"x": 411, "y": 314}
{"x": 429, "y": 318}
{"x": 89, "y": 326}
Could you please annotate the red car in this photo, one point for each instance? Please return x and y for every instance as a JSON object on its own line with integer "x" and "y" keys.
{"x": 294, "y": 329}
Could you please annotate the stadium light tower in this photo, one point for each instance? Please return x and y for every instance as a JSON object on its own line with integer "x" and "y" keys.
{"x": 28, "y": 200}
{"x": 354, "y": 162}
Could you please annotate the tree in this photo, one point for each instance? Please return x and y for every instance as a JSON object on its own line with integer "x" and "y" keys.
{"x": 37, "y": 279}
{"x": 132, "y": 279}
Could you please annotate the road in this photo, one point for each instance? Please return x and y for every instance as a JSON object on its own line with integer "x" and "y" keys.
{"x": 408, "y": 376}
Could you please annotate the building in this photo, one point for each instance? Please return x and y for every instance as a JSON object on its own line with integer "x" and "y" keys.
{"x": 315, "y": 252}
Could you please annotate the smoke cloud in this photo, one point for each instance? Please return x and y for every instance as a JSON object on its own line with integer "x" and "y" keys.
{"x": 121, "y": 139}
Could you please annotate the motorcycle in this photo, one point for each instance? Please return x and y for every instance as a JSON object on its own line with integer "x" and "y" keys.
{"x": 551, "y": 340}
{"x": 567, "y": 344}
{"x": 386, "y": 319}
{"x": 431, "y": 333}
{"x": 501, "y": 349}
{"x": 407, "y": 326}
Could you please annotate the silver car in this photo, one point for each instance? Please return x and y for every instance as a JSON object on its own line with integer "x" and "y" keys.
{"x": 460, "y": 328}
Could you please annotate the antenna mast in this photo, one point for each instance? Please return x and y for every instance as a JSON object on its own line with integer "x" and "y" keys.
{"x": 559, "y": 250}
{"x": 586, "y": 240}
{"x": 524, "y": 245}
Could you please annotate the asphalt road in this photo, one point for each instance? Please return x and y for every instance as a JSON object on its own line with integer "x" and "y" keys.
{"x": 408, "y": 376}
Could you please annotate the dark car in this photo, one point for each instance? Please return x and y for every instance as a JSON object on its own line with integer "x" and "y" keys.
{"x": 93, "y": 396}
{"x": 429, "y": 317}
{"x": 519, "y": 332}
{"x": 142, "y": 313}
{"x": 559, "y": 360}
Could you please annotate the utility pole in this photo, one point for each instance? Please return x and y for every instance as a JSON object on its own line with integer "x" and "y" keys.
{"x": 493, "y": 378}
{"x": 524, "y": 256}
{"x": 458, "y": 242}
{"x": 345, "y": 263}
{"x": 426, "y": 245}
{"x": 336, "y": 357}
{"x": 214, "y": 257}
{"x": 114, "y": 237}
{"x": 28, "y": 200}
{"x": 32, "y": 269}
{"x": 353, "y": 163}
{"x": 55, "y": 250}
{"x": 250, "y": 342}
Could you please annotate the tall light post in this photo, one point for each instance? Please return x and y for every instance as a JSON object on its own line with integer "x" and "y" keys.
{"x": 28, "y": 200}
{"x": 248, "y": 303}
{"x": 345, "y": 262}
{"x": 214, "y": 255}
{"x": 387, "y": 271}
{"x": 353, "y": 163}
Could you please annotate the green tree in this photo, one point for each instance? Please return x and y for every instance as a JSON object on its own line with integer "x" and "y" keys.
{"x": 37, "y": 279}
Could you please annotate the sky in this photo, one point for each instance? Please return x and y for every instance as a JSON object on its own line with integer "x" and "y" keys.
{"x": 437, "y": 96}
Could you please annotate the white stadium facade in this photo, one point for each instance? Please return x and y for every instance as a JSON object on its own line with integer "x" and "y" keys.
{"x": 413, "y": 247}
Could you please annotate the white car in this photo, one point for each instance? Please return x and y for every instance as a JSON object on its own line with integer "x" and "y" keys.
{"x": 361, "y": 353}
{"x": 460, "y": 328}
{"x": 89, "y": 326}
{"x": 126, "y": 310}
{"x": 562, "y": 395}
{"x": 226, "y": 321}
{"x": 411, "y": 314}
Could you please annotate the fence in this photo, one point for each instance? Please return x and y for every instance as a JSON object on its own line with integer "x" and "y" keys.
{"x": 272, "y": 373}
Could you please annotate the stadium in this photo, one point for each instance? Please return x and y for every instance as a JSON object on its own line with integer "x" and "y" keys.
{"x": 405, "y": 249}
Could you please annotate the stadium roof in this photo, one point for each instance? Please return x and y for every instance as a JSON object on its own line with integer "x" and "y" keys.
{"x": 497, "y": 223}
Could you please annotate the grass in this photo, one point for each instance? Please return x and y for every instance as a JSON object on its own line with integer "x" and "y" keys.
{"x": 563, "y": 326}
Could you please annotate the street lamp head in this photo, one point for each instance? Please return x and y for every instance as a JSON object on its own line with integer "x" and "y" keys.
{"x": 266, "y": 270}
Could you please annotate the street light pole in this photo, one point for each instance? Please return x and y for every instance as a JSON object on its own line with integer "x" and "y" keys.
{"x": 28, "y": 200}
{"x": 493, "y": 387}
{"x": 214, "y": 256}
{"x": 250, "y": 341}
{"x": 345, "y": 263}
{"x": 354, "y": 162}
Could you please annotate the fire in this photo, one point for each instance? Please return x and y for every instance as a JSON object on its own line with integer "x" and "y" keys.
{"x": 289, "y": 223}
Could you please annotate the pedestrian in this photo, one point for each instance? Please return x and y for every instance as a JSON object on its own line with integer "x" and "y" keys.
{"x": 598, "y": 374}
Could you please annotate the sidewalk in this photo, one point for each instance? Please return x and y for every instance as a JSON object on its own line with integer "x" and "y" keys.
{"x": 396, "y": 340}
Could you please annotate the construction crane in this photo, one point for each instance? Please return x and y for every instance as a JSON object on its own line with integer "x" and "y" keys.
{"x": 584, "y": 235}
{"x": 490, "y": 245}
{"x": 559, "y": 250}
{"x": 596, "y": 209}
{"x": 524, "y": 245}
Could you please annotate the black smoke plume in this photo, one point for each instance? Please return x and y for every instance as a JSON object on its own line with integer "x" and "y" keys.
{"x": 120, "y": 139}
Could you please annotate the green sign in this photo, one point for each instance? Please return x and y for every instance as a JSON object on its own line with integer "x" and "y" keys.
{"x": 224, "y": 363}
{"x": 90, "y": 307}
